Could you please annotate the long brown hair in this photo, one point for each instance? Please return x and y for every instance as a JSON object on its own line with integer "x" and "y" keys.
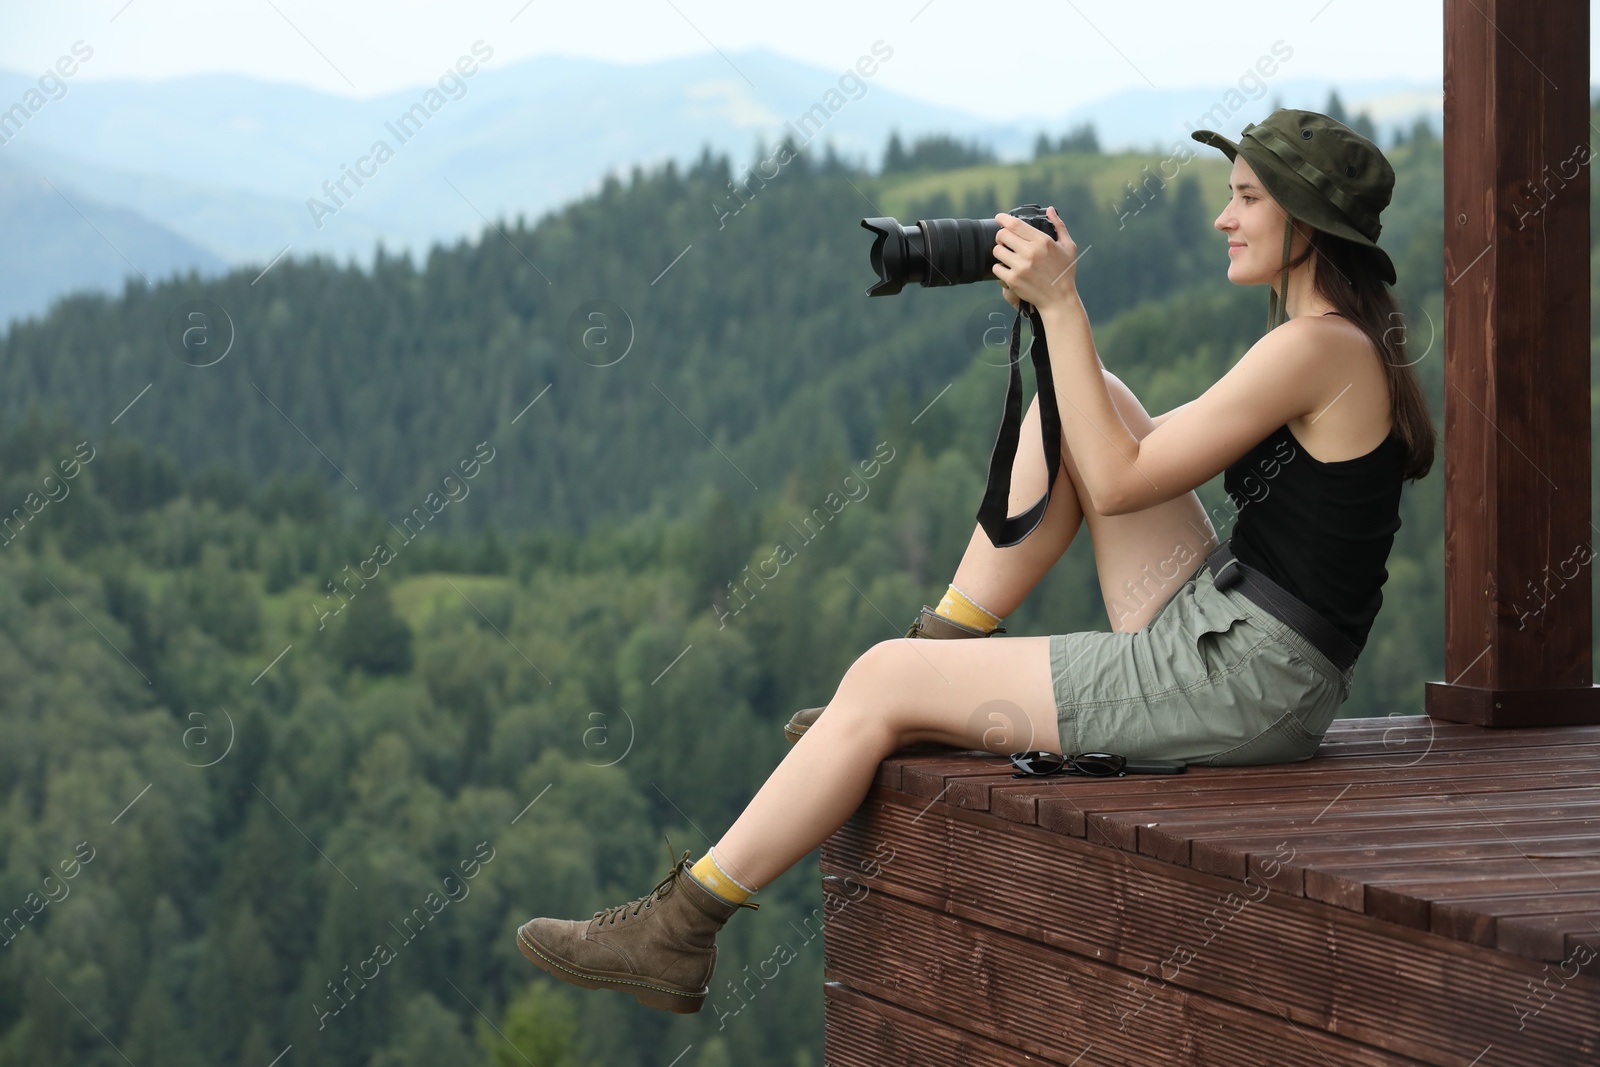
{"x": 1348, "y": 277}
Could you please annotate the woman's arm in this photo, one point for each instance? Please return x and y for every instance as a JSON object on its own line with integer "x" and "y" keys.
{"x": 1157, "y": 420}
{"x": 1281, "y": 377}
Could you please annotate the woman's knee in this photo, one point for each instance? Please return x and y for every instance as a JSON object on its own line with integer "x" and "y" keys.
{"x": 1129, "y": 406}
{"x": 875, "y": 684}
{"x": 874, "y": 670}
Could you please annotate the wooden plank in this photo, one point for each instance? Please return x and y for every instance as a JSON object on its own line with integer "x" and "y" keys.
{"x": 1413, "y": 744}
{"x": 1475, "y": 919}
{"x": 1210, "y": 810}
{"x": 888, "y": 775}
{"x": 1407, "y": 991}
{"x": 1341, "y": 879}
{"x": 1412, "y": 903}
{"x": 1063, "y": 815}
{"x": 1170, "y": 835}
{"x": 1179, "y": 845}
{"x": 1570, "y": 936}
{"x": 1226, "y": 852}
{"x": 1066, "y": 813}
{"x": 1395, "y": 727}
{"x": 934, "y": 776}
{"x": 967, "y": 781}
{"x": 1400, "y": 845}
{"x": 863, "y": 1031}
{"x": 1019, "y": 802}
{"x": 945, "y": 974}
{"x": 1164, "y": 833}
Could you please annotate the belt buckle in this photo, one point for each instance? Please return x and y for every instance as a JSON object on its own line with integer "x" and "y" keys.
{"x": 1230, "y": 575}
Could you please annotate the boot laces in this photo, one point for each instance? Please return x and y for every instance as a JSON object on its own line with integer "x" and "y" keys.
{"x": 632, "y": 907}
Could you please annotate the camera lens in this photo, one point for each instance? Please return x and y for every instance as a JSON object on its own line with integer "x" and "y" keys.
{"x": 898, "y": 255}
{"x": 960, "y": 251}
{"x": 938, "y": 252}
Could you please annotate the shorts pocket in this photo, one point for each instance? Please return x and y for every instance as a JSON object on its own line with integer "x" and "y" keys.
{"x": 1285, "y": 741}
{"x": 1301, "y": 673}
{"x": 1298, "y": 688}
{"x": 1208, "y": 627}
{"x": 1320, "y": 695}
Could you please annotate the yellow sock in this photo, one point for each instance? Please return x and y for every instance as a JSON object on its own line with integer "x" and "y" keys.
{"x": 708, "y": 873}
{"x": 958, "y": 607}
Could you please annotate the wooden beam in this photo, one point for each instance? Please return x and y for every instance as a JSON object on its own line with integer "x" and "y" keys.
{"x": 1518, "y": 540}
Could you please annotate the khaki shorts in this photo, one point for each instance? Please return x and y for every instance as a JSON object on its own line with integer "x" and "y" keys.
{"x": 1211, "y": 679}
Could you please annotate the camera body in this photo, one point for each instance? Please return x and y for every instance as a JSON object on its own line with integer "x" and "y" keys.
{"x": 940, "y": 251}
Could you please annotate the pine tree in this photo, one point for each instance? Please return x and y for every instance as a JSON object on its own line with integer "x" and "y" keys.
{"x": 1334, "y": 109}
{"x": 430, "y": 1035}
{"x": 895, "y": 157}
{"x": 540, "y": 1026}
{"x": 155, "y": 1035}
{"x": 1364, "y": 125}
{"x": 370, "y": 636}
{"x": 1082, "y": 138}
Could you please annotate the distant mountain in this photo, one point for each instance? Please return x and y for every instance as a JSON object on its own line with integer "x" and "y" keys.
{"x": 240, "y": 170}
{"x": 59, "y": 240}
{"x": 1155, "y": 119}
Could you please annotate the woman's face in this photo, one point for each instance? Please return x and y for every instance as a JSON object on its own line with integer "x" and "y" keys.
{"x": 1253, "y": 223}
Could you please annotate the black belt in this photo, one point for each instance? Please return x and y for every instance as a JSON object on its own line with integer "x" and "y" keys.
{"x": 1227, "y": 571}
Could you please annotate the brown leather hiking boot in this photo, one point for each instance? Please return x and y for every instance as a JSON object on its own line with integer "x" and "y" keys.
{"x": 929, "y": 624}
{"x": 660, "y": 947}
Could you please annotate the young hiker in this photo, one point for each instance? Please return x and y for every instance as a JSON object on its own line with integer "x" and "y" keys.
{"x": 1214, "y": 657}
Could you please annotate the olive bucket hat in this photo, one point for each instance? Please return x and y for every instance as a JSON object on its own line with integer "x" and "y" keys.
{"x": 1319, "y": 171}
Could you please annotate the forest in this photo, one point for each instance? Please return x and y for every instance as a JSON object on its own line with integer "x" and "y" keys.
{"x": 450, "y": 592}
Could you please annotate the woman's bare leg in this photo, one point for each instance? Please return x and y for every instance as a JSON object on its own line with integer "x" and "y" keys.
{"x": 995, "y": 695}
{"x": 998, "y": 579}
{"x": 1136, "y": 555}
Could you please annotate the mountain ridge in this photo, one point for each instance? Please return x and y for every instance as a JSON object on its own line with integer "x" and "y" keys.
{"x": 233, "y": 165}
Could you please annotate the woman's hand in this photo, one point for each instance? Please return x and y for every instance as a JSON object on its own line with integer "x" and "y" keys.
{"x": 1031, "y": 266}
{"x": 1010, "y": 294}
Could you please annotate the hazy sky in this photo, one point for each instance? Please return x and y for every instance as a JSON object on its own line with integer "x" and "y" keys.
{"x": 1032, "y": 58}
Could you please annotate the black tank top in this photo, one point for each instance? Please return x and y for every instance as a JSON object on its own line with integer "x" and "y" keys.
{"x": 1321, "y": 530}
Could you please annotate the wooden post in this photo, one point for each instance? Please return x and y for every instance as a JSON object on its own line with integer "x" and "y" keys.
{"x": 1518, "y": 540}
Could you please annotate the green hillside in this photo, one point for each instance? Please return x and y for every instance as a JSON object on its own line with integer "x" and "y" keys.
{"x": 735, "y": 305}
{"x": 275, "y": 711}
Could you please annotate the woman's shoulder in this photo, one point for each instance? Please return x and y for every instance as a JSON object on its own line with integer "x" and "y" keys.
{"x": 1353, "y": 418}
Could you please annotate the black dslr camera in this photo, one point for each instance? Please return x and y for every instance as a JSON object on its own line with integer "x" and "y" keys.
{"x": 954, "y": 252}
{"x": 940, "y": 251}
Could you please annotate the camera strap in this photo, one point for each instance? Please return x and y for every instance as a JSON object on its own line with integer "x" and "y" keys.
{"x": 1003, "y": 530}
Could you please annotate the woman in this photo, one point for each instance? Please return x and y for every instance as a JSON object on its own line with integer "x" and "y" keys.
{"x": 1315, "y": 428}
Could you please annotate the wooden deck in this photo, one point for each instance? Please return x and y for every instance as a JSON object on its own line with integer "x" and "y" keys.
{"x": 1419, "y": 893}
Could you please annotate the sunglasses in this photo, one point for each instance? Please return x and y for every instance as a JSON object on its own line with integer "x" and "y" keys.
{"x": 1038, "y": 764}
